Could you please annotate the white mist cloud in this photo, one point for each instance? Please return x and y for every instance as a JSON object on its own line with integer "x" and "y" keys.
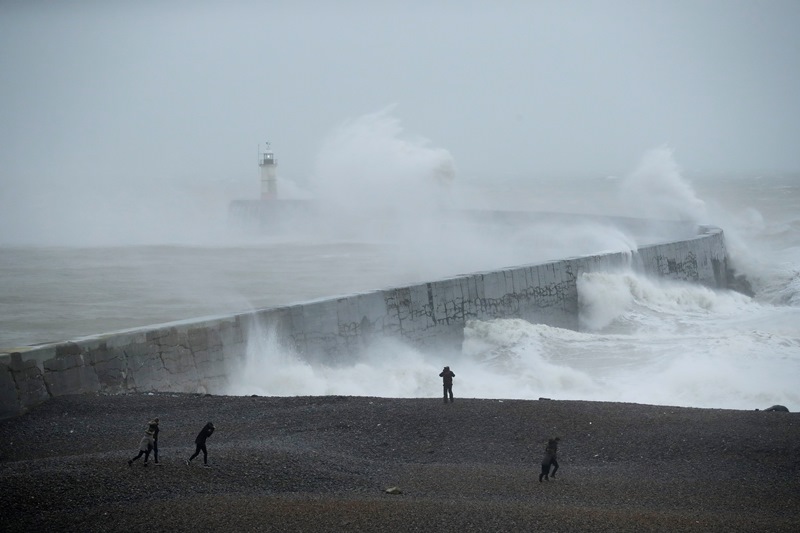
{"x": 366, "y": 166}
{"x": 376, "y": 183}
{"x": 656, "y": 189}
{"x": 100, "y": 212}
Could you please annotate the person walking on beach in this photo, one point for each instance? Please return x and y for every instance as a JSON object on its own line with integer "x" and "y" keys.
{"x": 447, "y": 376}
{"x": 153, "y": 428}
{"x": 145, "y": 445}
{"x": 200, "y": 442}
{"x": 550, "y": 459}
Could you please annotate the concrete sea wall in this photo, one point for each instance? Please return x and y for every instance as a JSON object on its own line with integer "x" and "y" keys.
{"x": 199, "y": 356}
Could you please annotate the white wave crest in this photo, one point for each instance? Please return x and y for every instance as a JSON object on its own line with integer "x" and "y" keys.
{"x": 604, "y": 297}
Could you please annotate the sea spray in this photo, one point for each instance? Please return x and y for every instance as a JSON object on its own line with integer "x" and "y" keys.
{"x": 386, "y": 368}
{"x": 370, "y": 180}
{"x": 657, "y": 189}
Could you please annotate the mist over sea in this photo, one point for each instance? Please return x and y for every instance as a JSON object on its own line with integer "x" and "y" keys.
{"x": 85, "y": 266}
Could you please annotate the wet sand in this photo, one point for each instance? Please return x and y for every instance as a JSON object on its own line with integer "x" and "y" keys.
{"x": 323, "y": 464}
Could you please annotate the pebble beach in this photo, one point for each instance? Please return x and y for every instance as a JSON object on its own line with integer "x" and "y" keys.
{"x": 340, "y": 463}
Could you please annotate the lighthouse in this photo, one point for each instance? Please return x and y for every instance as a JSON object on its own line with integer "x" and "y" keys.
{"x": 269, "y": 178}
{"x": 268, "y": 213}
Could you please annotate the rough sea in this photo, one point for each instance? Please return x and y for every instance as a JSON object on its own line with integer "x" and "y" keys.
{"x": 102, "y": 267}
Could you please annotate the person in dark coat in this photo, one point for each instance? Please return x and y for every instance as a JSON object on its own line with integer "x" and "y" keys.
{"x": 200, "y": 442}
{"x": 447, "y": 376}
{"x": 145, "y": 445}
{"x": 153, "y": 428}
{"x": 550, "y": 459}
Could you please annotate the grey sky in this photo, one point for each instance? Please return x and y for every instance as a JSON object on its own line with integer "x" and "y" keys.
{"x": 187, "y": 90}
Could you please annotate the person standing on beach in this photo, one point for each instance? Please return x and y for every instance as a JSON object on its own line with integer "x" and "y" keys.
{"x": 447, "y": 376}
{"x": 550, "y": 459}
{"x": 145, "y": 445}
{"x": 200, "y": 442}
{"x": 153, "y": 428}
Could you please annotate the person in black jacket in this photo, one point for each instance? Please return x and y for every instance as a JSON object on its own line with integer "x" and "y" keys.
{"x": 447, "y": 376}
{"x": 200, "y": 442}
{"x": 550, "y": 459}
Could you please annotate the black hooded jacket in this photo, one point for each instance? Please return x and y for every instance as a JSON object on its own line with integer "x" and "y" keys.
{"x": 206, "y": 432}
{"x": 153, "y": 427}
{"x": 447, "y": 376}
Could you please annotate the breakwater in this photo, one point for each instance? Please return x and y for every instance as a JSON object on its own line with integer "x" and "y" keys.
{"x": 200, "y": 355}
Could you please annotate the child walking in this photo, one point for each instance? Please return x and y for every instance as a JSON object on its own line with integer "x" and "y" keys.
{"x": 145, "y": 445}
{"x": 153, "y": 428}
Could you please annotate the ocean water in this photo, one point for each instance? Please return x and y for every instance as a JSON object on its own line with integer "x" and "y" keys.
{"x": 641, "y": 340}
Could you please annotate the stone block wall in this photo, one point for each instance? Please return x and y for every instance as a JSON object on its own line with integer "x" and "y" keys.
{"x": 433, "y": 315}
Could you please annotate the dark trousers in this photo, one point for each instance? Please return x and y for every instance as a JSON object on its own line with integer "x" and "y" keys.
{"x": 146, "y": 454}
{"x": 155, "y": 451}
{"x": 201, "y": 448}
{"x": 554, "y": 464}
{"x": 448, "y": 389}
{"x": 546, "y": 464}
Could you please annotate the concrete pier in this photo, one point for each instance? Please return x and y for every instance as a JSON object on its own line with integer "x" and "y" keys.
{"x": 198, "y": 356}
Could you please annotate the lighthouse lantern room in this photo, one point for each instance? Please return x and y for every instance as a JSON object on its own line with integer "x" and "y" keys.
{"x": 269, "y": 178}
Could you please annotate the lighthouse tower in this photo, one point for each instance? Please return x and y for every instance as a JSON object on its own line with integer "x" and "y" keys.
{"x": 269, "y": 178}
